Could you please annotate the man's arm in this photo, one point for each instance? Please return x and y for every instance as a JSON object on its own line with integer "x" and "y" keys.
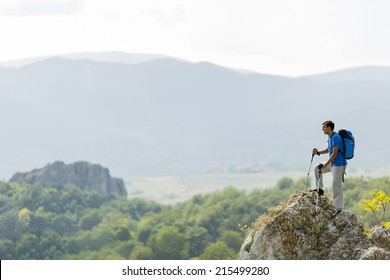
{"x": 315, "y": 152}
{"x": 332, "y": 157}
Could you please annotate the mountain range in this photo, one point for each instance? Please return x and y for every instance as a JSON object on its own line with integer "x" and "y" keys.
{"x": 153, "y": 115}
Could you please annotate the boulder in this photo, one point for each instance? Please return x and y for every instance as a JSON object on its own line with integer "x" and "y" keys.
{"x": 298, "y": 230}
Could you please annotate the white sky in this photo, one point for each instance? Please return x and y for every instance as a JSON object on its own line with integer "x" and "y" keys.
{"x": 286, "y": 37}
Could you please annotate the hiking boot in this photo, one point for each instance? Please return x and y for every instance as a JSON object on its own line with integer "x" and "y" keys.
{"x": 321, "y": 191}
{"x": 335, "y": 213}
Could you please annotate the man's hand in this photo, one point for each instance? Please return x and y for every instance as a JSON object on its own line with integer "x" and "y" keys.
{"x": 320, "y": 166}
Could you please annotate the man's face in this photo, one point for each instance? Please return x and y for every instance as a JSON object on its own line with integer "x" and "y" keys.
{"x": 326, "y": 129}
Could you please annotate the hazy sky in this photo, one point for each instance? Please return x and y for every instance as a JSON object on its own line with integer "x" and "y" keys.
{"x": 287, "y": 37}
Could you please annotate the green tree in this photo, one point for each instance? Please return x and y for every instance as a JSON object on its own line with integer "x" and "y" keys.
{"x": 233, "y": 239}
{"x": 142, "y": 252}
{"x": 92, "y": 199}
{"x": 9, "y": 225}
{"x": 169, "y": 244}
{"x": 198, "y": 238}
{"x": 125, "y": 248}
{"x": 7, "y": 249}
{"x": 284, "y": 183}
{"x": 64, "y": 224}
{"x": 99, "y": 237}
{"x": 379, "y": 201}
{"x": 71, "y": 196}
{"x": 90, "y": 220}
{"x": 122, "y": 233}
{"x": 27, "y": 248}
{"x": 219, "y": 251}
{"x": 24, "y": 217}
{"x": 51, "y": 200}
{"x": 41, "y": 221}
{"x": 50, "y": 246}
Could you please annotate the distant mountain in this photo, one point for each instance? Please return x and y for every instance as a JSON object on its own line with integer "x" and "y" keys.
{"x": 367, "y": 73}
{"x": 113, "y": 57}
{"x": 86, "y": 176}
{"x": 171, "y": 117}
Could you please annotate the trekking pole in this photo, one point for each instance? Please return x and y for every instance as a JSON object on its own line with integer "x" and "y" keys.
{"x": 318, "y": 184}
{"x": 308, "y": 172}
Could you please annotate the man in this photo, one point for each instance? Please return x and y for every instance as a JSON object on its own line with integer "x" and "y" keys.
{"x": 335, "y": 164}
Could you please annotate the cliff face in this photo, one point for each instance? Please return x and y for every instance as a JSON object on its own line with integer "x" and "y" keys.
{"x": 87, "y": 176}
{"x": 299, "y": 230}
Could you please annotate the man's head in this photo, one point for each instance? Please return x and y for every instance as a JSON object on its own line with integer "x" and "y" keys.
{"x": 328, "y": 127}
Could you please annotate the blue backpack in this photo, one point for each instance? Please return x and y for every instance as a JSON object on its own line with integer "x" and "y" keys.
{"x": 349, "y": 143}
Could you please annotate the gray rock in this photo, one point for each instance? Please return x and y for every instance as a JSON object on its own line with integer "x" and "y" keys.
{"x": 380, "y": 236}
{"x": 86, "y": 176}
{"x": 298, "y": 230}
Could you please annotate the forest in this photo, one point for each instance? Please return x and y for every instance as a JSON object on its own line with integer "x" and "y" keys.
{"x": 40, "y": 222}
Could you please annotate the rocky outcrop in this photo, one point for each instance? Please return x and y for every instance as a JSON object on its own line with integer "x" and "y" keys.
{"x": 298, "y": 230}
{"x": 87, "y": 176}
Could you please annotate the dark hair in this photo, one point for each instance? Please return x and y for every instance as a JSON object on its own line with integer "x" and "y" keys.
{"x": 329, "y": 124}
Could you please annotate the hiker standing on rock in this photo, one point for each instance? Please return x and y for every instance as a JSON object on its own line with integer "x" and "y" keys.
{"x": 335, "y": 164}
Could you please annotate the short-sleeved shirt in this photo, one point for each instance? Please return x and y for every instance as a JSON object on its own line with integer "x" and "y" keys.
{"x": 335, "y": 141}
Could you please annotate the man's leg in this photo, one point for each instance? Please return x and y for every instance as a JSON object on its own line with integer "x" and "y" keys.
{"x": 338, "y": 194}
{"x": 317, "y": 175}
